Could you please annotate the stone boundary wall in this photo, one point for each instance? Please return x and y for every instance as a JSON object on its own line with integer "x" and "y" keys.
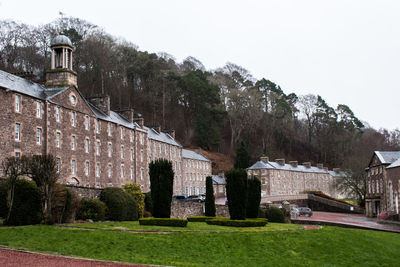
{"x": 183, "y": 209}
{"x": 87, "y": 192}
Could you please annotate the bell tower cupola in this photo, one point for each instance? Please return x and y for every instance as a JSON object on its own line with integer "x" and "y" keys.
{"x": 61, "y": 74}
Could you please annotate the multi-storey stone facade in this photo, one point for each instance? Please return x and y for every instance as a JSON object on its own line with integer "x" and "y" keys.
{"x": 95, "y": 147}
{"x": 279, "y": 179}
{"x": 382, "y": 183}
{"x": 196, "y": 168}
{"x": 163, "y": 145}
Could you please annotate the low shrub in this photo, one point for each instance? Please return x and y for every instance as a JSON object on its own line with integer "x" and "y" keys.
{"x": 275, "y": 214}
{"x": 136, "y": 191}
{"x": 163, "y": 221}
{"x": 27, "y": 208}
{"x": 132, "y": 213}
{"x": 238, "y": 223}
{"x": 91, "y": 209}
{"x": 199, "y": 218}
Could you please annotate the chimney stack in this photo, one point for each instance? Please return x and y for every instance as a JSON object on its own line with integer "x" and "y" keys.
{"x": 129, "y": 114}
{"x": 336, "y": 169}
{"x": 294, "y": 163}
{"x": 320, "y": 166}
{"x": 171, "y": 132}
{"x": 139, "y": 121}
{"x": 101, "y": 102}
{"x": 264, "y": 159}
{"x": 280, "y": 161}
{"x": 307, "y": 164}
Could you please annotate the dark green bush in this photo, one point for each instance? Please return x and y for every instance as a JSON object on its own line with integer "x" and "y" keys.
{"x": 91, "y": 209}
{"x": 253, "y": 197}
{"x": 210, "y": 200}
{"x": 148, "y": 205}
{"x": 120, "y": 205}
{"x": 61, "y": 203}
{"x": 275, "y": 214}
{"x": 238, "y": 223}
{"x": 236, "y": 191}
{"x": 199, "y": 218}
{"x": 261, "y": 213}
{"x": 163, "y": 221}
{"x": 161, "y": 186}
{"x": 3, "y": 199}
{"x": 132, "y": 213}
{"x": 26, "y": 208}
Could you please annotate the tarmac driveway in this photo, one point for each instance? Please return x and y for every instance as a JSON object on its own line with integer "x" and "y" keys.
{"x": 349, "y": 220}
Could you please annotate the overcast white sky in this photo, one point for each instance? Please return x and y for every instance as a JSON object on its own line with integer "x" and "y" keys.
{"x": 347, "y": 51}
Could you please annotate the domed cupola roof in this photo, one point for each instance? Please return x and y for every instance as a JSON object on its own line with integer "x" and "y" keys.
{"x": 61, "y": 40}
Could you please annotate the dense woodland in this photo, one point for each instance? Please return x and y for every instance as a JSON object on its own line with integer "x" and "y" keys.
{"x": 213, "y": 109}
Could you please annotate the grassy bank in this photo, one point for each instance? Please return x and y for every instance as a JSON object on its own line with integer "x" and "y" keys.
{"x": 330, "y": 246}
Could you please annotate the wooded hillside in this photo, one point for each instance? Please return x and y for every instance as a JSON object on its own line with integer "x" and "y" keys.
{"x": 211, "y": 109}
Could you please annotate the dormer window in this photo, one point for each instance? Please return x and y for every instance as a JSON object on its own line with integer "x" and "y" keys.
{"x": 73, "y": 100}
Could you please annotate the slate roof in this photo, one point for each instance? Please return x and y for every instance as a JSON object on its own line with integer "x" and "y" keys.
{"x": 27, "y": 87}
{"x": 387, "y": 157}
{"x": 394, "y": 164}
{"x": 218, "y": 179}
{"x": 189, "y": 154}
{"x": 288, "y": 167}
{"x": 161, "y": 137}
{"x": 21, "y": 85}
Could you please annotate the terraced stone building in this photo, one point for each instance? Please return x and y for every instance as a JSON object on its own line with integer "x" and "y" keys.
{"x": 95, "y": 147}
{"x": 281, "y": 179}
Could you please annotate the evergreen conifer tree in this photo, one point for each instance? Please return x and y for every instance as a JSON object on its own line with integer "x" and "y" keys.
{"x": 210, "y": 200}
{"x": 161, "y": 186}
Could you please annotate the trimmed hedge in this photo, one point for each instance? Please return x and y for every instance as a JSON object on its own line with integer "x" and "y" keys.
{"x": 120, "y": 206}
{"x": 163, "y": 221}
{"x": 91, "y": 209}
{"x": 275, "y": 214}
{"x": 27, "y": 208}
{"x": 238, "y": 223}
{"x": 199, "y": 218}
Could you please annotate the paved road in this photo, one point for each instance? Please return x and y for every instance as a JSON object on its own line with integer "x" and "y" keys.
{"x": 13, "y": 258}
{"x": 357, "y": 220}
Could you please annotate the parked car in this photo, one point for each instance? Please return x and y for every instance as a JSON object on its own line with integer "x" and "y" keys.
{"x": 305, "y": 211}
{"x": 383, "y": 216}
{"x": 180, "y": 197}
{"x": 202, "y": 197}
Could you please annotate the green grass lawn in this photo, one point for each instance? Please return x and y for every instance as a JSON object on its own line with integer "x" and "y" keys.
{"x": 330, "y": 246}
{"x": 191, "y": 227}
